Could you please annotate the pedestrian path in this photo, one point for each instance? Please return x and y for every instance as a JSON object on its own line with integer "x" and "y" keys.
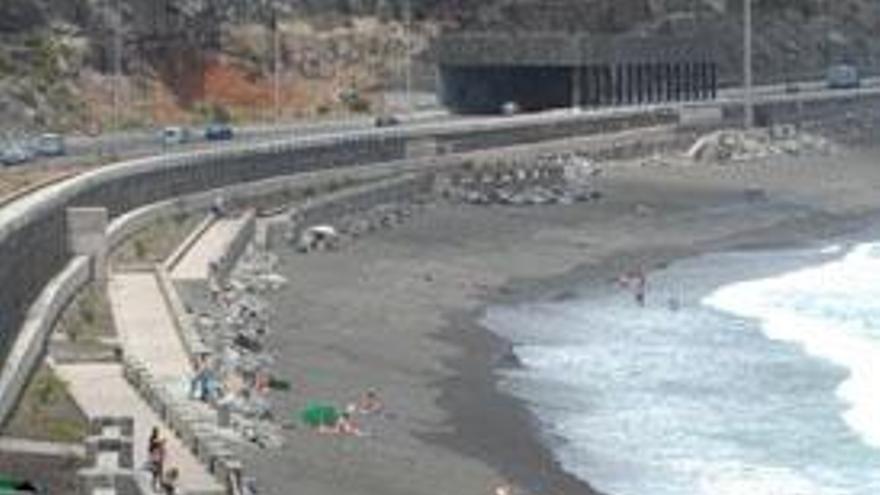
{"x": 101, "y": 390}
{"x": 146, "y": 326}
{"x": 211, "y": 246}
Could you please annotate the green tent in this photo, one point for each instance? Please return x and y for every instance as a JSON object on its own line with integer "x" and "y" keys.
{"x": 316, "y": 414}
{"x": 9, "y": 486}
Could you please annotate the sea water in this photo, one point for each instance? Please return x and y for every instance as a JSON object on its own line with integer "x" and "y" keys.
{"x": 769, "y": 385}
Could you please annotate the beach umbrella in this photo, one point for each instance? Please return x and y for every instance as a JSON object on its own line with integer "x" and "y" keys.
{"x": 316, "y": 414}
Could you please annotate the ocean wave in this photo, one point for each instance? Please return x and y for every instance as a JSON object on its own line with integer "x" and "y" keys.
{"x": 833, "y": 312}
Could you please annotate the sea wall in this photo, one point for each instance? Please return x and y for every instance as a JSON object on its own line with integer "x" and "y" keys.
{"x": 33, "y": 230}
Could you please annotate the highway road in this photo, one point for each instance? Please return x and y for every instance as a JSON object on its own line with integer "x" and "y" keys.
{"x": 86, "y": 150}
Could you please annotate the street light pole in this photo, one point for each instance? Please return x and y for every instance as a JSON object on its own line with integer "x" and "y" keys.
{"x": 749, "y": 107}
{"x": 117, "y": 62}
{"x": 276, "y": 83}
{"x": 408, "y": 54}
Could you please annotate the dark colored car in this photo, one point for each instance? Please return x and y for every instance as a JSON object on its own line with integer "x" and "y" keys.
{"x": 387, "y": 121}
{"x": 218, "y": 132}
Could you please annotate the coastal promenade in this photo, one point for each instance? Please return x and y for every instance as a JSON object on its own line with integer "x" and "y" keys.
{"x": 101, "y": 390}
{"x": 148, "y": 334}
{"x": 146, "y": 326}
{"x": 211, "y": 246}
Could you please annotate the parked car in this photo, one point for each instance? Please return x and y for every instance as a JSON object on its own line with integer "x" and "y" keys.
{"x": 49, "y": 144}
{"x": 172, "y": 135}
{"x": 388, "y": 120}
{"x": 218, "y": 132}
{"x": 15, "y": 154}
{"x": 843, "y": 76}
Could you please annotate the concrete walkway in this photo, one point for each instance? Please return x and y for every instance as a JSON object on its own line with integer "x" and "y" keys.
{"x": 146, "y": 326}
{"x": 209, "y": 247}
{"x": 101, "y": 390}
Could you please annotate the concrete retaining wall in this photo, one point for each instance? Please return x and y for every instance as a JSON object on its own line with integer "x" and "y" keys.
{"x": 237, "y": 245}
{"x": 329, "y": 208}
{"x": 30, "y": 345}
{"x": 33, "y": 231}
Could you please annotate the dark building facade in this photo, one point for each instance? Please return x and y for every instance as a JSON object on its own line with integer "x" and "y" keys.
{"x": 481, "y": 73}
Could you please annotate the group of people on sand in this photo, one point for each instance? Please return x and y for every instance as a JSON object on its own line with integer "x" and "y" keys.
{"x": 162, "y": 481}
{"x": 368, "y": 404}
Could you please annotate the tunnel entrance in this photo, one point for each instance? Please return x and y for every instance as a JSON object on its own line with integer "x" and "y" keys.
{"x": 469, "y": 89}
{"x": 481, "y": 73}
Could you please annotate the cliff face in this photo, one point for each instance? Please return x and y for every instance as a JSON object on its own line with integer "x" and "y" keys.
{"x": 187, "y": 59}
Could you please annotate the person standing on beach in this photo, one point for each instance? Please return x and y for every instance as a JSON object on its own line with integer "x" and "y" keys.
{"x": 640, "y": 284}
{"x": 636, "y": 282}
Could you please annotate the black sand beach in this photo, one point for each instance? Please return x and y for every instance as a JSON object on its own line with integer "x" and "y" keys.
{"x": 399, "y": 309}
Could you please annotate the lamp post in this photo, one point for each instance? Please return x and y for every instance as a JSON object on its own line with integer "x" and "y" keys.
{"x": 407, "y": 26}
{"x": 276, "y": 69}
{"x": 748, "y": 97}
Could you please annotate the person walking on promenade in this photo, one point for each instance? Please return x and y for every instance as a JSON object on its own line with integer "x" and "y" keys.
{"x": 156, "y": 458}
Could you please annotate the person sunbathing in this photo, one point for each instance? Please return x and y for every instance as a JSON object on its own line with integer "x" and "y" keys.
{"x": 347, "y": 426}
{"x": 369, "y": 403}
{"x": 344, "y": 425}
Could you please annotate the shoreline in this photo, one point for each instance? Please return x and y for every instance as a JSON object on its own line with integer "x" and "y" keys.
{"x": 400, "y": 310}
{"x": 487, "y": 352}
{"x": 491, "y": 352}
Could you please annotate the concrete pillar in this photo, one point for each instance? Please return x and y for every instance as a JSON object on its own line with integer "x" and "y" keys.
{"x": 676, "y": 82}
{"x": 687, "y": 90}
{"x": 618, "y": 85}
{"x": 630, "y": 83}
{"x": 87, "y": 235}
{"x": 713, "y": 80}
{"x": 706, "y": 81}
{"x": 667, "y": 81}
{"x": 698, "y": 80}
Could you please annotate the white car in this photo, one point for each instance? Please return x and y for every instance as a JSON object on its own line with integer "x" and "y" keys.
{"x": 50, "y": 144}
{"x": 15, "y": 154}
{"x": 172, "y": 135}
{"x": 843, "y": 76}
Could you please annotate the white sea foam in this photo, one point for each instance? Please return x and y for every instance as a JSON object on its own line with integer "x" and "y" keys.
{"x": 733, "y": 478}
{"x": 833, "y": 311}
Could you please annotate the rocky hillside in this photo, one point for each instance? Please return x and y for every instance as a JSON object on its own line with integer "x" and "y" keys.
{"x": 201, "y": 59}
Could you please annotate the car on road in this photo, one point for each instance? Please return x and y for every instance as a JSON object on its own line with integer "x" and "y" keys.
{"x": 172, "y": 135}
{"x": 843, "y": 76}
{"x": 15, "y": 154}
{"x": 49, "y": 144}
{"x": 388, "y": 120}
{"x": 219, "y": 132}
